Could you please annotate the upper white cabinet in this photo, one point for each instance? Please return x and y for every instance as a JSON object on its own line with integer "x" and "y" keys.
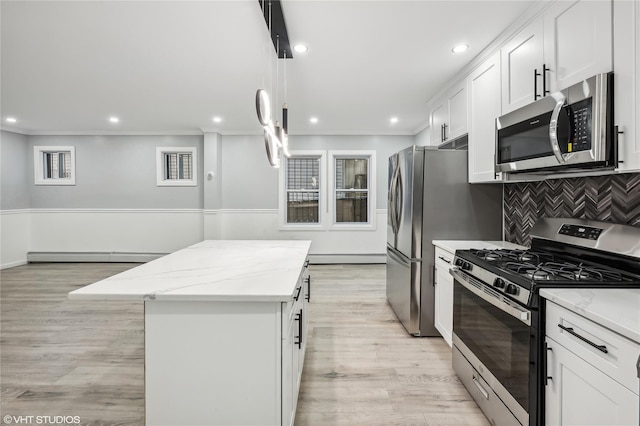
{"x": 626, "y": 81}
{"x": 484, "y": 108}
{"x": 570, "y": 42}
{"x": 449, "y": 117}
{"x": 522, "y": 60}
{"x": 577, "y": 41}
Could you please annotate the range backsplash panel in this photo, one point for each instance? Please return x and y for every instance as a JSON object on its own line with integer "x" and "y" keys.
{"x": 612, "y": 198}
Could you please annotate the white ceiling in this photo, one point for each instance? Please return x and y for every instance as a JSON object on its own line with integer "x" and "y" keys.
{"x": 171, "y": 66}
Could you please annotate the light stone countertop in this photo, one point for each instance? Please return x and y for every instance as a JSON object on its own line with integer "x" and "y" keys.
{"x": 452, "y": 245}
{"x": 212, "y": 270}
{"x": 614, "y": 308}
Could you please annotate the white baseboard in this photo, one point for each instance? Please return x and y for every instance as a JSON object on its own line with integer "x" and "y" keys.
{"x": 13, "y": 264}
{"x": 92, "y": 257}
{"x": 320, "y": 259}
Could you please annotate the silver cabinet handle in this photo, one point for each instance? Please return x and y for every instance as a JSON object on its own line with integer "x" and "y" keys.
{"x": 553, "y": 126}
{"x": 482, "y": 390}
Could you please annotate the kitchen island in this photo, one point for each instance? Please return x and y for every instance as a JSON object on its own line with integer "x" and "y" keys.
{"x": 225, "y": 330}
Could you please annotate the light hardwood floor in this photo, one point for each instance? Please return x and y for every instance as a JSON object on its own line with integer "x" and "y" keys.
{"x": 72, "y": 358}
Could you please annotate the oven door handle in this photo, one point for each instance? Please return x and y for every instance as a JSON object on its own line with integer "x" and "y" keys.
{"x": 520, "y": 314}
{"x": 553, "y": 126}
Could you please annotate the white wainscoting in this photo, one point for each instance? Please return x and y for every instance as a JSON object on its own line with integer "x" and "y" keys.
{"x": 115, "y": 230}
{"x": 328, "y": 246}
{"x": 141, "y": 234}
{"x": 15, "y": 236}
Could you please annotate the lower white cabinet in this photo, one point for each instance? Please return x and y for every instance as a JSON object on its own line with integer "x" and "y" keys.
{"x": 225, "y": 363}
{"x": 443, "y": 309}
{"x": 591, "y": 376}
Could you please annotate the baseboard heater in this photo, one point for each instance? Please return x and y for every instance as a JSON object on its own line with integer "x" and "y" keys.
{"x": 49, "y": 256}
{"x": 319, "y": 259}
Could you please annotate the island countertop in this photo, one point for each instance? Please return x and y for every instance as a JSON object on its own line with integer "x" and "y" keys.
{"x": 212, "y": 270}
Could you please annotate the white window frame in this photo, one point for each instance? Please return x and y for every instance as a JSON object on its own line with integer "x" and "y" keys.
{"x": 371, "y": 189}
{"x": 160, "y": 170}
{"x": 322, "y": 191}
{"x": 38, "y": 165}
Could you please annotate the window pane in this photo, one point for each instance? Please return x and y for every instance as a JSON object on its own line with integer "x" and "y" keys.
{"x": 178, "y": 166}
{"x": 351, "y": 173}
{"x": 303, "y": 173}
{"x": 302, "y": 207}
{"x": 351, "y": 207}
{"x": 57, "y": 165}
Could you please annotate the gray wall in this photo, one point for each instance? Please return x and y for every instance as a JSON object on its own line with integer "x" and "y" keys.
{"x": 248, "y": 182}
{"x": 116, "y": 172}
{"x": 14, "y": 178}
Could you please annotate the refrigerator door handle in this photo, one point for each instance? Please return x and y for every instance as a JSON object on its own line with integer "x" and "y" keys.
{"x": 400, "y": 258}
{"x": 399, "y": 199}
{"x": 392, "y": 201}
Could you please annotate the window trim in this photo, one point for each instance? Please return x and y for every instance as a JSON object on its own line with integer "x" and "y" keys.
{"x": 322, "y": 193}
{"x": 160, "y": 170}
{"x": 38, "y": 165}
{"x": 371, "y": 189}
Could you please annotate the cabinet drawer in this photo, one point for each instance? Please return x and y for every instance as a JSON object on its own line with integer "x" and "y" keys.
{"x": 444, "y": 259}
{"x": 615, "y": 355}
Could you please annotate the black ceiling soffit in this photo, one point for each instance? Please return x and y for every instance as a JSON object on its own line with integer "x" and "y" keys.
{"x": 278, "y": 26}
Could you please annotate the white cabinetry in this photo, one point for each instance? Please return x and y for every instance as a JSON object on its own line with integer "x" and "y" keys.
{"x": 626, "y": 62}
{"x": 449, "y": 117}
{"x": 219, "y": 362}
{"x": 577, "y": 41}
{"x": 591, "y": 372}
{"x": 570, "y": 42}
{"x": 522, "y": 60}
{"x": 443, "y": 312}
{"x": 484, "y": 108}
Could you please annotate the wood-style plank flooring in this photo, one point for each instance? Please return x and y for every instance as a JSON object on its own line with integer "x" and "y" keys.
{"x": 74, "y": 358}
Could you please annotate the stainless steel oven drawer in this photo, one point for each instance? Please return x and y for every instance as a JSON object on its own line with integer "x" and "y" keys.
{"x": 495, "y": 410}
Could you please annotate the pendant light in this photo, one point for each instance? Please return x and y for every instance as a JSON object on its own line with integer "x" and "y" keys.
{"x": 276, "y": 139}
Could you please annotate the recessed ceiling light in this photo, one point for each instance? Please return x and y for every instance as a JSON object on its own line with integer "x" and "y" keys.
{"x": 460, "y": 48}
{"x": 313, "y": 120}
{"x": 11, "y": 120}
{"x": 114, "y": 119}
{"x": 217, "y": 119}
{"x": 393, "y": 120}
{"x": 301, "y": 48}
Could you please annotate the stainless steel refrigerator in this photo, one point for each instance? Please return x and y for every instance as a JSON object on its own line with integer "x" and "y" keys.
{"x": 429, "y": 199}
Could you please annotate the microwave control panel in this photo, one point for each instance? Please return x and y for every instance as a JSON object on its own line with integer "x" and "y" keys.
{"x": 581, "y": 124}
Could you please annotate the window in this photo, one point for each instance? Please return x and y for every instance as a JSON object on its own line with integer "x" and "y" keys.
{"x": 353, "y": 177}
{"x": 176, "y": 166}
{"x": 54, "y": 165}
{"x": 344, "y": 201}
{"x": 302, "y": 192}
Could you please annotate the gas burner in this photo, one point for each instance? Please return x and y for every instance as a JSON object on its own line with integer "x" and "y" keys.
{"x": 538, "y": 274}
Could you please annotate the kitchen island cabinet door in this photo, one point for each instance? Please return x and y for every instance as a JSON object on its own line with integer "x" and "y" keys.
{"x": 484, "y": 108}
{"x": 577, "y": 393}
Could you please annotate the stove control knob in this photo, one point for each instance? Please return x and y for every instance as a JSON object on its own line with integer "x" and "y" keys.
{"x": 499, "y": 283}
{"x": 466, "y": 266}
{"x": 459, "y": 262}
{"x": 511, "y": 289}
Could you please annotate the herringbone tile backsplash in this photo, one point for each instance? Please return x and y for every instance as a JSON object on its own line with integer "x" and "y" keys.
{"x": 613, "y": 198}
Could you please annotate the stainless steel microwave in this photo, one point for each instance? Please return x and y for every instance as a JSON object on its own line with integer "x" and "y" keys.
{"x": 572, "y": 128}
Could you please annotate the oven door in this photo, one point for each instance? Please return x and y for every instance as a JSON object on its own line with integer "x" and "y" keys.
{"x": 494, "y": 334}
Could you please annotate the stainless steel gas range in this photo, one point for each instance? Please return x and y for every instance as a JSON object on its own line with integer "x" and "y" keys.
{"x": 499, "y": 316}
